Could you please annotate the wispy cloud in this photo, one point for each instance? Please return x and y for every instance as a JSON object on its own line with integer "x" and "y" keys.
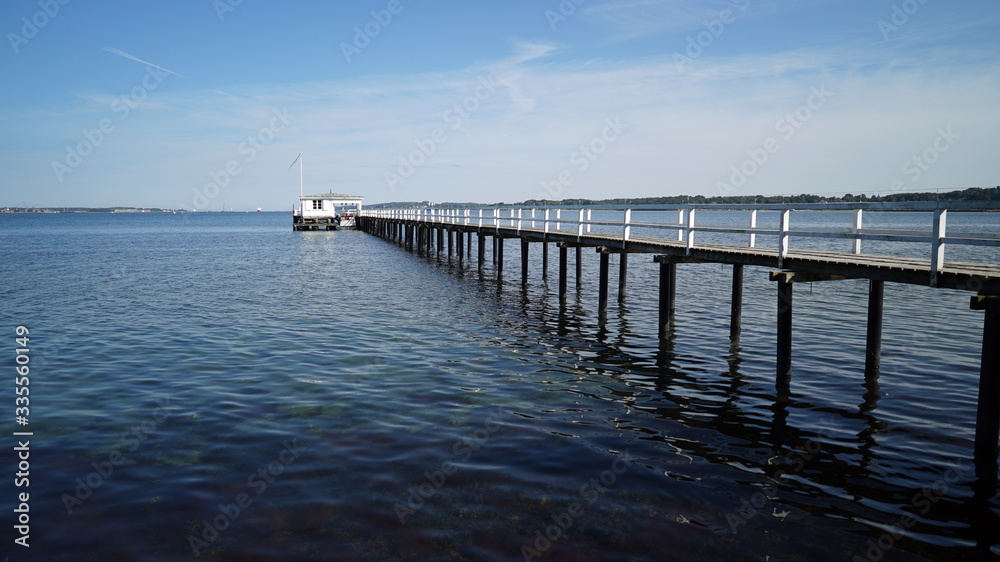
{"x": 685, "y": 130}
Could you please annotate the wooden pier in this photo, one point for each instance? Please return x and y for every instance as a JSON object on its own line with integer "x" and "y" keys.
{"x": 574, "y": 228}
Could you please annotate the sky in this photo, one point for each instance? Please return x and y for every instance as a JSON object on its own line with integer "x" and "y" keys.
{"x": 206, "y": 104}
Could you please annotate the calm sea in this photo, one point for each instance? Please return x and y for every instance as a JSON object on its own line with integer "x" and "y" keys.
{"x": 216, "y": 386}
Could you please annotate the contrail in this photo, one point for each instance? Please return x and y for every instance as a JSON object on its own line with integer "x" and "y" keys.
{"x": 130, "y": 57}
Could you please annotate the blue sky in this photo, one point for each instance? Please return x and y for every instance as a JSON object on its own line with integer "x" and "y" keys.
{"x": 201, "y": 104}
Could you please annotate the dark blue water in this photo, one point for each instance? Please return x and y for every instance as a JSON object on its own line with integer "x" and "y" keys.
{"x": 218, "y": 387}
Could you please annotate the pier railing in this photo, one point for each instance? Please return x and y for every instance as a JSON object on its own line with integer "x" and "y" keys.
{"x": 580, "y": 220}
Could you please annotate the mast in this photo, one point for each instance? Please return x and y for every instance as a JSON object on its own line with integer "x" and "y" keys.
{"x": 299, "y": 160}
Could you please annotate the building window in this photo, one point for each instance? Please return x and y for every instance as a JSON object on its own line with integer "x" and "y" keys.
{"x": 317, "y": 204}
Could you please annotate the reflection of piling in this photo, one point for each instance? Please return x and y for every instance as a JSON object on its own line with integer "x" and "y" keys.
{"x": 988, "y": 413}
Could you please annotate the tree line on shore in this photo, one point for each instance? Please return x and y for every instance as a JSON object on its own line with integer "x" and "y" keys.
{"x": 969, "y": 194}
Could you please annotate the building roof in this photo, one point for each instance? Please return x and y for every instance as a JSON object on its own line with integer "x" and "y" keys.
{"x": 332, "y": 195}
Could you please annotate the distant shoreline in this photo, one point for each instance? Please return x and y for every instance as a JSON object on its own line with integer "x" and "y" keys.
{"x": 968, "y": 194}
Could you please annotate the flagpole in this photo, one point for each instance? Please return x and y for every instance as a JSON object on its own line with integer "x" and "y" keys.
{"x": 299, "y": 160}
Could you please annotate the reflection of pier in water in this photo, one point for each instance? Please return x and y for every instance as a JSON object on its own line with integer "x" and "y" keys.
{"x": 449, "y": 233}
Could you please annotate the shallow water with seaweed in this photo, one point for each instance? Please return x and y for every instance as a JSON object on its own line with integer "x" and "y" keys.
{"x": 216, "y": 386}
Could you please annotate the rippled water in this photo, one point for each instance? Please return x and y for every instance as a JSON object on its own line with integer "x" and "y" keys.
{"x": 218, "y": 384}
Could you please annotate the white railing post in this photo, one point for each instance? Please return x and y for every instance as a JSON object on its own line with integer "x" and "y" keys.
{"x": 496, "y": 219}
{"x": 690, "y": 232}
{"x": 680, "y": 223}
{"x": 753, "y": 225}
{"x": 558, "y": 216}
{"x": 937, "y": 250}
{"x": 627, "y": 229}
{"x": 590, "y": 217}
{"x": 546, "y": 221}
{"x": 783, "y": 237}
{"x": 519, "y": 215}
{"x": 480, "y": 219}
{"x": 579, "y": 227}
{"x": 857, "y": 231}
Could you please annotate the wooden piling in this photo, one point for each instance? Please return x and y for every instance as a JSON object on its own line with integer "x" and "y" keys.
{"x": 481, "y": 242}
{"x": 622, "y": 276}
{"x": 736, "y": 304}
{"x": 579, "y": 267}
{"x": 563, "y": 252}
{"x": 545, "y": 260}
{"x": 602, "y": 290}
{"x": 524, "y": 261}
{"x": 873, "y": 345}
{"x": 668, "y": 283}
{"x": 498, "y": 255}
{"x": 784, "y": 354}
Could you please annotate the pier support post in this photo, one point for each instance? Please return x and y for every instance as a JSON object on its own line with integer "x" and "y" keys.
{"x": 873, "y": 346}
{"x": 668, "y": 285}
{"x": 622, "y": 275}
{"x": 440, "y": 240}
{"x": 602, "y": 290}
{"x": 545, "y": 260}
{"x": 563, "y": 253}
{"x": 988, "y": 412}
{"x": 469, "y": 245}
{"x": 495, "y": 240}
{"x": 736, "y": 306}
{"x": 579, "y": 268}
{"x": 459, "y": 239}
{"x": 482, "y": 249}
{"x": 784, "y": 354}
{"x": 498, "y": 256}
{"x": 524, "y": 262}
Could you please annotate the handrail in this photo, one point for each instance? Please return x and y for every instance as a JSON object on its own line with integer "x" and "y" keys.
{"x": 581, "y": 223}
